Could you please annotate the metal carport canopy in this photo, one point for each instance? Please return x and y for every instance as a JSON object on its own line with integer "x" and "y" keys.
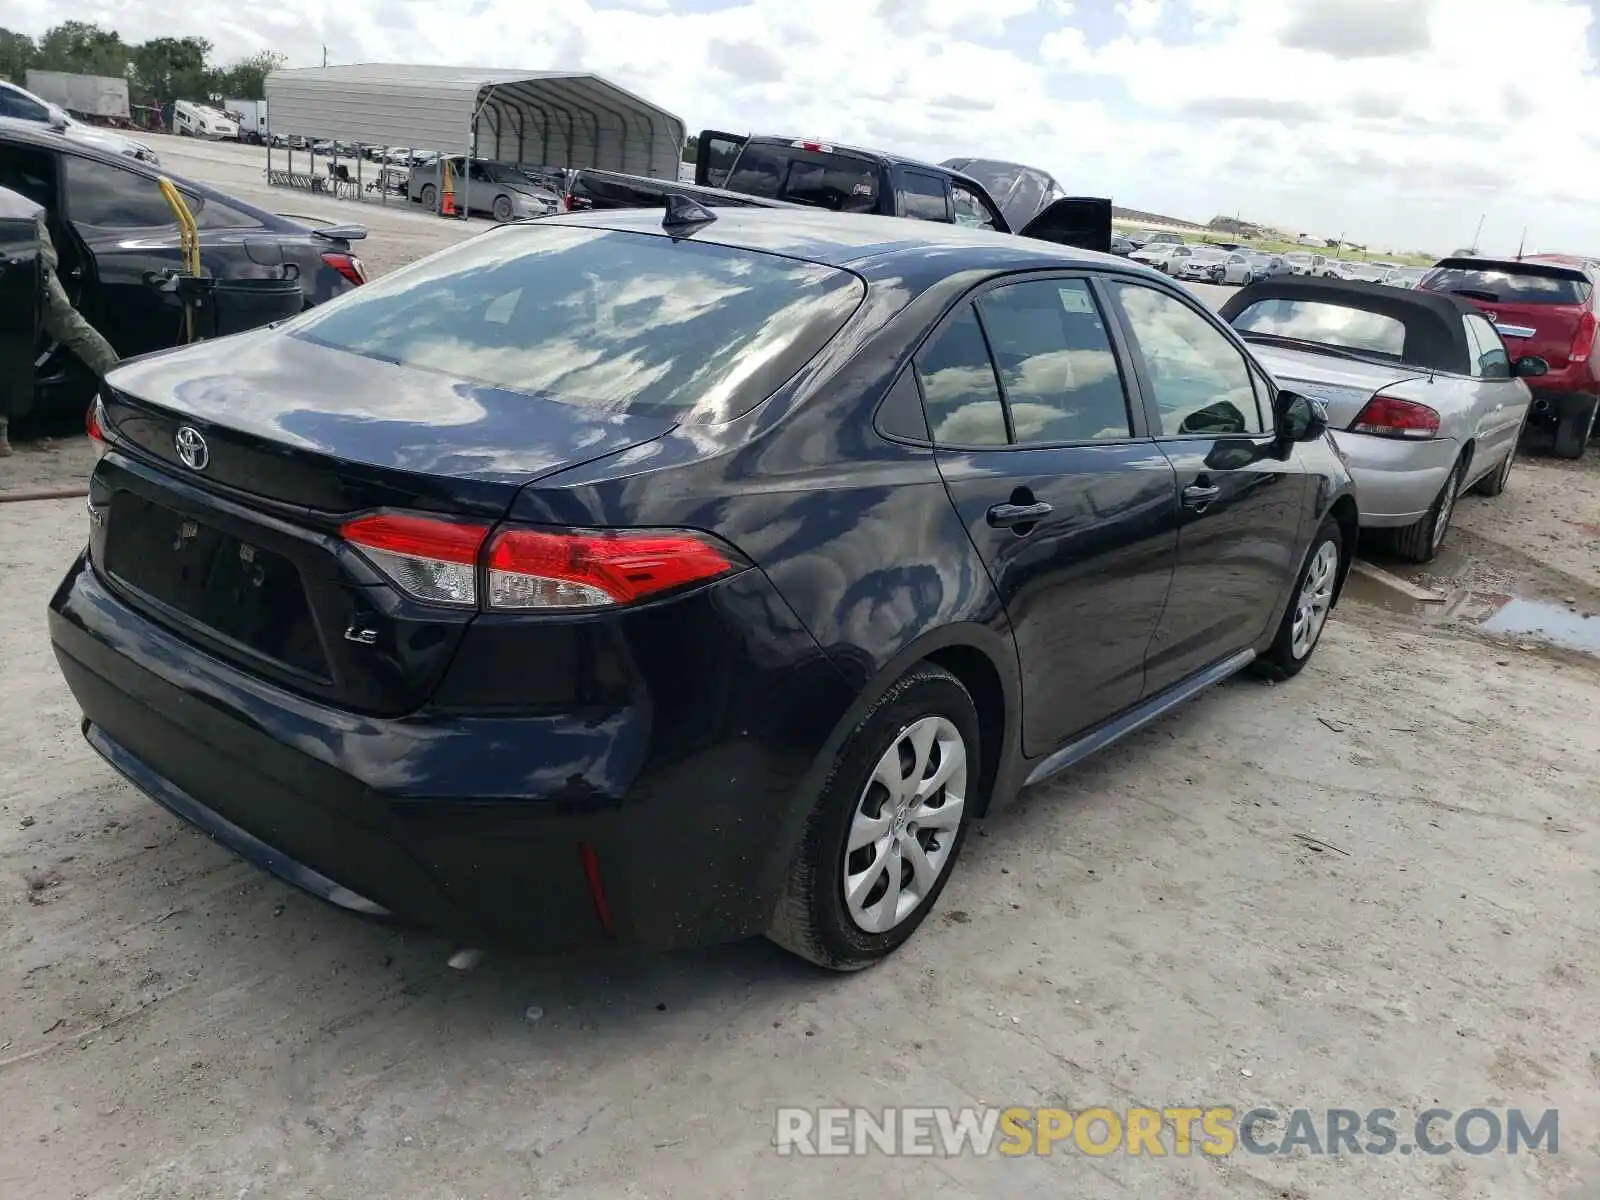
{"x": 537, "y": 118}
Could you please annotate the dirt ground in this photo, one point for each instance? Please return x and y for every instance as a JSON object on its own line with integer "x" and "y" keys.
{"x": 1372, "y": 886}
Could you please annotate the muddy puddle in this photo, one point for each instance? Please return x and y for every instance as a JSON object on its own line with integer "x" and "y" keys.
{"x": 1476, "y": 584}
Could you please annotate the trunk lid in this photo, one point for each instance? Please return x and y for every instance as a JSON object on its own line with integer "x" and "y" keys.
{"x": 1342, "y": 385}
{"x": 242, "y": 554}
{"x": 1538, "y": 307}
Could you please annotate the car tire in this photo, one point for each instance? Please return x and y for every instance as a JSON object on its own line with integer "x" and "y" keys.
{"x": 817, "y": 917}
{"x": 1306, "y": 616}
{"x": 430, "y": 197}
{"x": 1419, "y": 543}
{"x": 502, "y": 209}
{"x": 1573, "y": 430}
{"x": 1494, "y": 483}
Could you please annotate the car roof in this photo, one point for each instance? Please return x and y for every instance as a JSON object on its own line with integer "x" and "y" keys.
{"x": 885, "y": 156}
{"x": 869, "y": 245}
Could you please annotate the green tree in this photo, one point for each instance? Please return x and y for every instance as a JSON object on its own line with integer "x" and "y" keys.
{"x": 168, "y": 68}
{"x": 17, "y": 54}
{"x": 691, "y": 148}
{"x": 83, "y": 49}
{"x": 247, "y": 78}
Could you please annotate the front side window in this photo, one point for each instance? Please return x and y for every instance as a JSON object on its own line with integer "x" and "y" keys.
{"x": 23, "y": 108}
{"x": 923, "y": 197}
{"x": 1200, "y": 379}
{"x": 959, "y": 392}
{"x": 1057, "y": 367}
{"x": 617, "y": 321}
{"x": 107, "y": 197}
{"x": 1489, "y": 357}
{"x": 969, "y": 209}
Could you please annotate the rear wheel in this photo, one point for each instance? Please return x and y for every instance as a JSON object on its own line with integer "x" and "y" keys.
{"x": 1307, "y": 614}
{"x": 430, "y": 197}
{"x": 1572, "y": 434}
{"x": 885, "y": 833}
{"x": 1420, "y": 542}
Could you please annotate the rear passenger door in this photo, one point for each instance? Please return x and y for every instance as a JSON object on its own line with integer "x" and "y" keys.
{"x": 1238, "y": 503}
{"x": 1067, "y": 500}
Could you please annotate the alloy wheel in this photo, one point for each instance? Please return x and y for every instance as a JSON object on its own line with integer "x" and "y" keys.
{"x": 905, "y": 824}
{"x": 1314, "y": 600}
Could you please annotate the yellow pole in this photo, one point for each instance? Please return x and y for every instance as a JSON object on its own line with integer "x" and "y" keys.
{"x": 188, "y": 243}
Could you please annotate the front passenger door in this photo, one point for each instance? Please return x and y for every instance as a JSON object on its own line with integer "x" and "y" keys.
{"x": 1238, "y": 503}
{"x": 1060, "y": 489}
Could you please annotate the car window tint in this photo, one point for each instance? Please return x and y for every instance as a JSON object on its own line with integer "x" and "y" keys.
{"x": 600, "y": 318}
{"x": 959, "y": 390}
{"x": 1057, "y": 368}
{"x": 1489, "y": 357}
{"x": 28, "y": 172}
{"x": 213, "y": 214}
{"x": 837, "y": 181}
{"x": 969, "y": 209}
{"x": 15, "y": 104}
{"x": 1326, "y": 324}
{"x": 1200, "y": 379}
{"x": 108, "y": 197}
{"x": 1507, "y": 285}
{"x": 923, "y": 197}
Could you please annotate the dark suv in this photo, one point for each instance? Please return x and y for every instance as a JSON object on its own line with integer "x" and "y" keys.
{"x": 1543, "y": 306}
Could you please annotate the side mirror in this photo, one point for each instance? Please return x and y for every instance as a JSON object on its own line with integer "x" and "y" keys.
{"x": 1300, "y": 418}
{"x": 1529, "y": 367}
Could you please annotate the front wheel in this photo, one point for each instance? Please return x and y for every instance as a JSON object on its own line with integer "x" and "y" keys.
{"x": 430, "y": 198}
{"x": 502, "y": 209}
{"x": 1309, "y": 605}
{"x": 1494, "y": 483}
{"x": 883, "y": 838}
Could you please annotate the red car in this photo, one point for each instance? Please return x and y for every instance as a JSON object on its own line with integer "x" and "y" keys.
{"x": 1543, "y": 305}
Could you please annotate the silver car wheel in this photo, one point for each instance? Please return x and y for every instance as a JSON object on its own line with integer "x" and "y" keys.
{"x": 1314, "y": 600}
{"x": 1447, "y": 505}
{"x": 905, "y": 824}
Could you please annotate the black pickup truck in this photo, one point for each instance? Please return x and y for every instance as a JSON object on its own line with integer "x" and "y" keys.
{"x": 848, "y": 179}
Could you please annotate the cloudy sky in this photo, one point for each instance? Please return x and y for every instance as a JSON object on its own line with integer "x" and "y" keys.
{"x": 1397, "y": 122}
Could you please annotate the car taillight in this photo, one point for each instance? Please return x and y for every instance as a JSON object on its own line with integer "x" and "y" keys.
{"x": 1583, "y": 340}
{"x": 347, "y": 265}
{"x": 1387, "y": 416}
{"x": 528, "y": 569}
{"x": 545, "y": 569}
{"x": 425, "y": 557}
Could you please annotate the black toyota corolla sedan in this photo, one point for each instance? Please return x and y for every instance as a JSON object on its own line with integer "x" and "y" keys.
{"x": 620, "y": 578}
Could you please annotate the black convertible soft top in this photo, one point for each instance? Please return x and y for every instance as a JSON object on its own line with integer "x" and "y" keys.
{"x": 1436, "y": 339}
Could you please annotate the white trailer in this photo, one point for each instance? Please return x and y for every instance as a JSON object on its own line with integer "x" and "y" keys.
{"x": 252, "y": 118}
{"x": 202, "y": 121}
{"x": 94, "y": 97}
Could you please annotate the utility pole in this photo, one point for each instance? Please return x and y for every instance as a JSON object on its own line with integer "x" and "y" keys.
{"x": 324, "y": 56}
{"x": 1477, "y": 233}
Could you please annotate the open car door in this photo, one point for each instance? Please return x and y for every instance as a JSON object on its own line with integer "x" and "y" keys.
{"x": 714, "y": 155}
{"x": 1081, "y": 221}
{"x": 21, "y": 301}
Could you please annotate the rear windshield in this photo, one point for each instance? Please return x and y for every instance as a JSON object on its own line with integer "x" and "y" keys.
{"x": 1324, "y": 324}
{"x": 625, "y": 322}
{"x": 841, "y": 182}
{"x": 1499, "y": 286}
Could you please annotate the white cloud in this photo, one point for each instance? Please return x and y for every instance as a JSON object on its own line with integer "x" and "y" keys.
{"x": 1397, "y": 120}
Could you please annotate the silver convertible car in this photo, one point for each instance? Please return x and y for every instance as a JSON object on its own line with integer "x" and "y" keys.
{"x": 1421, "y": 395}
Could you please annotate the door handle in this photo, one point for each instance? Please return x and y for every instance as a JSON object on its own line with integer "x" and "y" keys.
{"x": 1198, "y": 496}
{"x": 1009, "y": 516}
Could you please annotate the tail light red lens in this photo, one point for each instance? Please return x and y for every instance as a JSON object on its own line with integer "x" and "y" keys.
{"x": 425, "y": 557}
{"x": 543, "y": 569}
{"x": 1387, "y": 416}
{"x": 347, "y": 265}
{"x": 528, "y": 569}
{"x": 94, "y": 424}
{"x": 1583, "y": 340}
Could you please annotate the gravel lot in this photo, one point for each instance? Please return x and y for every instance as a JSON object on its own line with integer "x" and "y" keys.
{"x": 1370, "y": 887}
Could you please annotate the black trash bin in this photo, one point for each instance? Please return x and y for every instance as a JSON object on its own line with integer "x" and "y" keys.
{"x": 224, "y": 306}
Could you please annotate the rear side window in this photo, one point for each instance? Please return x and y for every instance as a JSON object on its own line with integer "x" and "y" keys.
{"x": 841, "y": 182}
{"x": 1498, "y": 286}
{"x": 108, "y": 197}
{"x": 959, "y": 390}
{"x": 1489, "y": 357}
{"x": 923, "y": 197}
{"x": 623, "y": 322}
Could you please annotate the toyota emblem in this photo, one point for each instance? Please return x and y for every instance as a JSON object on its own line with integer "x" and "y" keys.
{"x": 192, "y": 448}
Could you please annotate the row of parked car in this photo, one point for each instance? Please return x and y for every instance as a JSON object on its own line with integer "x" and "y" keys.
{"x": 1230, "y": 263}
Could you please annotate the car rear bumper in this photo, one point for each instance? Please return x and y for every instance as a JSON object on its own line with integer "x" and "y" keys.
{"x": 532, "y": 831}
{"x": 1396, "y": 481}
